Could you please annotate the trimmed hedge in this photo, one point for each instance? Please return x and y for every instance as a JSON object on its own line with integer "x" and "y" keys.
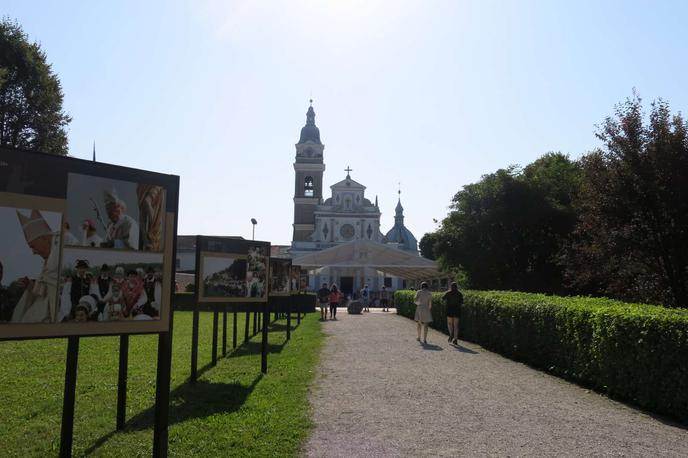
{"x": 635, "y": 352}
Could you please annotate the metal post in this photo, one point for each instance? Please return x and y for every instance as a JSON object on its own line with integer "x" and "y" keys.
{"x": 224, "y": 331}
{"x": 162, "y": 393}
{"x": 194, "y": 345}
{"x": 67, "y": 433}
{"x": 216, "y": 318}
{"x": 122, "y": 381}
{"x": 264, "y": 340}
{"x": 289, "y": 318}
{"x": 234, "y": 327}
{"x": 246, "y": 324}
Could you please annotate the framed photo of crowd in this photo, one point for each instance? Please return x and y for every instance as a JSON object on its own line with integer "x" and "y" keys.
{"x": 86, "y": 248}
{"x": 280, "y": 277}
{"x": 232, "y": 270}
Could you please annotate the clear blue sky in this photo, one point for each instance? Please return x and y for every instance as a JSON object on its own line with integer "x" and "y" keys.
{"x": 432, "y": 94}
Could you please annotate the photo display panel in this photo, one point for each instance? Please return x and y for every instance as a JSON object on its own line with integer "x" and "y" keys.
{"x": 86, "y": 248}
{"x": 295, "y": 279}
{"x": 232, "y": 270}
{"x": 280, "y": 277}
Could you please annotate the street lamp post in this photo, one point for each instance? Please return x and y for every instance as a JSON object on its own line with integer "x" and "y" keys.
{"x": 254, "y": 222}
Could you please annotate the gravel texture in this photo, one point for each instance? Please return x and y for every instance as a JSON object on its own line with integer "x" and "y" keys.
{"x": 381, "y": 393}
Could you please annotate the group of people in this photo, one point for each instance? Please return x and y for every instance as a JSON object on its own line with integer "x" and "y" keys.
{"x": 329, "y": 298}
{"x": 453, "y": 300}
{"x": 132, "y": 294}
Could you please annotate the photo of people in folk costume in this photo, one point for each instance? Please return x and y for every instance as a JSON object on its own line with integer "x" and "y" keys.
{"x": 91, "y": 291}
{"x": 30, "y": 243}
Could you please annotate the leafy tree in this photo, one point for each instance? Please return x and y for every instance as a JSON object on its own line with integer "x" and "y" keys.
{"x": 505, "y": 232}
{"x": 31, "y": 115}
{"x": 632, "y": 236}
{"x": 427, "y": 245}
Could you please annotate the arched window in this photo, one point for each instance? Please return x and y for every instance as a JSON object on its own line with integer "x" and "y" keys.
{"x": 308, "y": 187}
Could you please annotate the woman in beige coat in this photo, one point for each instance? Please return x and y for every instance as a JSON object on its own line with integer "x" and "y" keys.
{"x": 423, "y": 301}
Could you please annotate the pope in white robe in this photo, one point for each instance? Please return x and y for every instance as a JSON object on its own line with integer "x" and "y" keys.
{"x": 39, "y": 302}
{"x": 122, "y": 231}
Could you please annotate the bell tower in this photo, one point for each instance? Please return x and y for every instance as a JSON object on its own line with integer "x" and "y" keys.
{"x": 308, "y": 178}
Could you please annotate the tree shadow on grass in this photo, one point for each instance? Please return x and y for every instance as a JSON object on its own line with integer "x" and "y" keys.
{"x": 253, "y": 348}
{"x": 188, "y": 401}
{"x": 279, "y": 327}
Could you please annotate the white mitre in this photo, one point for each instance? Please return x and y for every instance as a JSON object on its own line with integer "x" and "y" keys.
{"x": 111, "y": 197}
{"x": 34, "y": 226}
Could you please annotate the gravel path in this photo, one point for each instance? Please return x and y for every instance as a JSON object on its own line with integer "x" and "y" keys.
{"x": 381, "y": 393}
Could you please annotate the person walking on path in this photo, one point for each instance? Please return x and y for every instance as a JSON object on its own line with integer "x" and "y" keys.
{"x": 365, "y": 298}
{"x": 453, "y": 299}
{"x": 423, "y": 317}
{"x": 335, "y": 297}
{"x": 323, "y": 299}
{"x": 384, "y": 299}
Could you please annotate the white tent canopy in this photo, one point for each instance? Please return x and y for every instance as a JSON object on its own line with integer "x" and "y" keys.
{"x": 365, "y": 253}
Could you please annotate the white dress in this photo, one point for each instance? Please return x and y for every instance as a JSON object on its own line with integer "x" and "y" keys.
{"x": 423, "y": 300}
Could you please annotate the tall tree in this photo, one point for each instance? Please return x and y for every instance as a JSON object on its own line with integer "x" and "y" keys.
{"x": 505, "y": 232}
{"x": 31, "y": 115}
{"x": 632, "y": 236}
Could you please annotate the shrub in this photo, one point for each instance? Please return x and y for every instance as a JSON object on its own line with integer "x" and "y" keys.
{"x": 635, "y": 352}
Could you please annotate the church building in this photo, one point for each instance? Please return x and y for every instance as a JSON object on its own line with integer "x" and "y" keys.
{"x": 345, "y": 216}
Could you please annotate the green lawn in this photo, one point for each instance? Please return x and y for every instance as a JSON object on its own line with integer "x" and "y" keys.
{"x": 231, "y": 411}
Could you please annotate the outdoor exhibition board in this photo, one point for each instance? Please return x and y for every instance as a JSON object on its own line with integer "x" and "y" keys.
{"x": 234, "y": 271}
{"x": 231, "y": 270}
{"x": 280, "y": 277}
{"x": 280, "y": 289}
{"x": 85, "y": 248}
{"x": 88, "y": 249}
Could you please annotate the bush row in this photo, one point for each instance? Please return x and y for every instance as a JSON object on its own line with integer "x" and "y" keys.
{"x": 635, "y": 352}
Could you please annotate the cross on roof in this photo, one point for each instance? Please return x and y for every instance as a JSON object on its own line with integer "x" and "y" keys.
{"x": 347, "y": 170}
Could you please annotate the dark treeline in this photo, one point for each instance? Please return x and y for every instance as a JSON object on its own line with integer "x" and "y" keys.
{"x": 612, "y": 223}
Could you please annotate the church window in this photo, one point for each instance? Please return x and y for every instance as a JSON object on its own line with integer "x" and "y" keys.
{"x": 347, "y": 204}
{"x": 325, "y": 231}
{"x": 369, "y": 231}
{"x": 308, "y": 187}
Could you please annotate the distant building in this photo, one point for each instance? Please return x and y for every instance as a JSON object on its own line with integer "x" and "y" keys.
{"x": 347, "y": 215}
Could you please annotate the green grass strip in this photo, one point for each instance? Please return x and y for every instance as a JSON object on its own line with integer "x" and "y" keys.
{"x": 231, "y": 411}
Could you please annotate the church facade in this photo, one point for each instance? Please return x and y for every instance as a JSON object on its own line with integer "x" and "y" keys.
{"x": 344, "y": 216}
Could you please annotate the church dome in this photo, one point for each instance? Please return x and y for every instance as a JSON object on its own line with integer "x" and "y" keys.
{"x": 399, "y": 234}
{"x": 310, "y": 132}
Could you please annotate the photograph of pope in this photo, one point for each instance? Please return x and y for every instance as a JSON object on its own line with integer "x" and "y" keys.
{"x": 29, "y": 282}
{"x": 114, "y": 214}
